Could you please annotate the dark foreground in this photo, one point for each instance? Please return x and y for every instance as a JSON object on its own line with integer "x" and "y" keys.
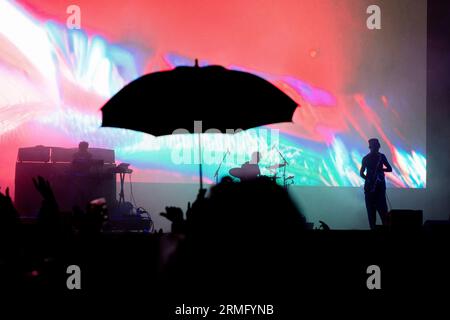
{"x": 293, "y": 273}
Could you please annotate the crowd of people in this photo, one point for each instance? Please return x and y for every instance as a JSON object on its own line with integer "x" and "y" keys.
{"x": 233, "y": 227}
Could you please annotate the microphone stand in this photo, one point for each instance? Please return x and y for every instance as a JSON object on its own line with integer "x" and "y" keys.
{"x": 284, "y": 167}
{"x": 216, "y": 174}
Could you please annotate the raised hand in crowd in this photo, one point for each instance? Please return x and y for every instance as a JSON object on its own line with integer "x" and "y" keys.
{"x": 49, "y": 217}
{"x": 9, "y": 218}
{"x": 175, "y": 215}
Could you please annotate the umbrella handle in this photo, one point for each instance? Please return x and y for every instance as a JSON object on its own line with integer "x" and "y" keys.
{"x": 200, "y": 169}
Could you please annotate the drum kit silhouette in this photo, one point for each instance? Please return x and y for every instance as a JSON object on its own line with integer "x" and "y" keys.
{"x": 275, "y": 174}
{"x": 277, "y": 171}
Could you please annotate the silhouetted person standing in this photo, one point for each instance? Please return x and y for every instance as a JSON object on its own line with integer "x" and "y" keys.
{"x": 376, "y": 165}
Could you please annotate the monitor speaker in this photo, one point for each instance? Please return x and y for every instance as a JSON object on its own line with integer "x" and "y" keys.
{"x": 405, "y": 219}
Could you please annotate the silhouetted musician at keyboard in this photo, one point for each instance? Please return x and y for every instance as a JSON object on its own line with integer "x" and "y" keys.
{"x": 82, "y": 159}
{"x": 82, "y": 185}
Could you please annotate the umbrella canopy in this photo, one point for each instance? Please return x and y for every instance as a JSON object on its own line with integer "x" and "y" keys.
{"x": 161, "y": 102}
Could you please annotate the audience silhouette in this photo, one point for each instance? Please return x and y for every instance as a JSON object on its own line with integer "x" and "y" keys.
{"x": 235, "y": 236}
{"x": 230, "y": 231}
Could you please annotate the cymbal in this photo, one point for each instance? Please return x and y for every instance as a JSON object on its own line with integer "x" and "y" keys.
{"x": 276, "y": 166}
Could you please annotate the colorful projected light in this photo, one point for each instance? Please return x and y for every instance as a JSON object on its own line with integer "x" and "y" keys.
{"x": 53, "y": 82}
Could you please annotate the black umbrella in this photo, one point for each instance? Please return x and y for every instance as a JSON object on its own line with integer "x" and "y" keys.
{"x": 162, "y": 102}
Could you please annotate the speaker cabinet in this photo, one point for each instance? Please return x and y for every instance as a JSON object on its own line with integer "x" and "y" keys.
{"x": 406, "y": 219}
